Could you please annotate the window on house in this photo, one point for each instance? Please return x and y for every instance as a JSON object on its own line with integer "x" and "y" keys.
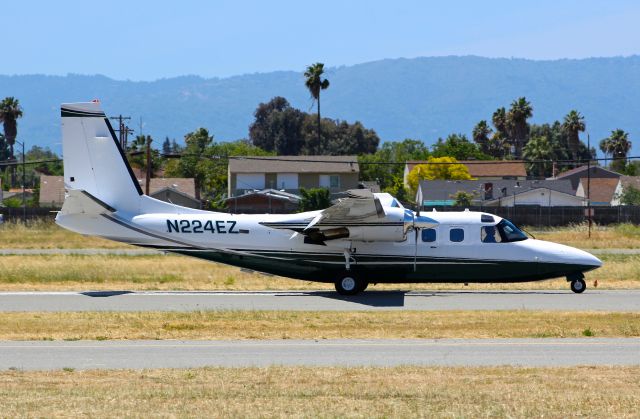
{"x": 456, "y": 235}
{"x": 330, "y": 181}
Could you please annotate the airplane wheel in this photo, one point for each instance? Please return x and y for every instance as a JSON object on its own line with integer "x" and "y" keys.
{"x": 578, "y": 285}
{"x": 348, "y": 284}
{"x": 363, "y": 286}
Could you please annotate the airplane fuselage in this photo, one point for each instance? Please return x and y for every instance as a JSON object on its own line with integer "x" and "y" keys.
{"x": 243, "y": 241}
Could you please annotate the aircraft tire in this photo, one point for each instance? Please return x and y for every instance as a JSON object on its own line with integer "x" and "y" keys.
{"x": 348, "y": 284}
{"x": 578, "y": 285}
{"x": 362, "y": 286}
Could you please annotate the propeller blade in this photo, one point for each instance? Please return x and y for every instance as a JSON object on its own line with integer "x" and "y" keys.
{"x": 415, "y": 254}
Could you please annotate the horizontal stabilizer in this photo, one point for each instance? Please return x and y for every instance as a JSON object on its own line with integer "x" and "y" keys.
{"x": 82, "y": 202}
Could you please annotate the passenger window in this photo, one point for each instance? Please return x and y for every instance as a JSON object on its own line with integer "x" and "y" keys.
{"x": 429, "y": 235}
{"x": 456, "y": 235}
{"x": 489, "y": 234}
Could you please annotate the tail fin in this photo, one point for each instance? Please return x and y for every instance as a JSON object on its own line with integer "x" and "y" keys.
{"x": 93, "y": 159}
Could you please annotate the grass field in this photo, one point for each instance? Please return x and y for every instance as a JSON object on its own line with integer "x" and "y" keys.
{"x": 208, "y": 325}
{"x": 168, "y": 272}
{"x": 325, "y": 392}
{"x": 47, "y": 235}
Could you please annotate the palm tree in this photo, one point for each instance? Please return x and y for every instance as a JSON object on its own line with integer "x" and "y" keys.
{"x": 520, "y": 111}
{"x": 499, "y": 120}
{"x": 574, "y": 124}
{"x": 315, "y": 83}
{"x": 539, "y": 148}
{"x": 481, "y": 134}
{"x": 618, "y": 145}
{"x": 10, "y": 111}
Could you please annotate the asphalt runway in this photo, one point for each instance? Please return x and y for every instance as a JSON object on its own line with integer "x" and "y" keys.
{"x": 590, "y": 300}
{"x": 39, "y": 355}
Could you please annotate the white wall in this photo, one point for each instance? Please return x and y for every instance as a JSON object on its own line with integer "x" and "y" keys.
{"x": 287, "y": 181}
{"x": 543, "y": 197}
{"x": 250, "y": 181}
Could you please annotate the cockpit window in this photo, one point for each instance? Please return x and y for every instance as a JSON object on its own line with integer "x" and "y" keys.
{"x": 509, "y": 232}
{"x": 489, "y": 234}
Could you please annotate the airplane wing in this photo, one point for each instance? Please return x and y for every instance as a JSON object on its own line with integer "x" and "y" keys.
{"x": 359, "y": 216}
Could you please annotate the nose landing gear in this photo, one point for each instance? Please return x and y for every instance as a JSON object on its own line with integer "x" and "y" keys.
{"x": 577, "y": 283}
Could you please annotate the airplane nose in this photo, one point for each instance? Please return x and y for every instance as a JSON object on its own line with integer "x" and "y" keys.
{"x": 592, "y": 260}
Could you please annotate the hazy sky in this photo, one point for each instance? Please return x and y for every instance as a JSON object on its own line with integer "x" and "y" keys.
{"x": 146, "y": 40}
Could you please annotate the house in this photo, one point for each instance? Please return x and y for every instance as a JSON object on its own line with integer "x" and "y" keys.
{"x": 501, "y": 192}
{"x": 482, "y": 169}
{"x": 179, "y": 191}
{"x": 269, "y": 201}
{"x": 600, "y": 191}
{"x": 51, "y": 191}
{"x": 627, "y": 182}
{"x": 290, "y": 173}
{"x": 574, "y": 175}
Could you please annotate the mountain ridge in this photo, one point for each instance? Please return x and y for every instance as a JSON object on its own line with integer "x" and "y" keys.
{"x": 423, "y": 98}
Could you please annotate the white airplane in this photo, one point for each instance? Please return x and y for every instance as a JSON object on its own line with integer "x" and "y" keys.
{"x": 364, "y": 238}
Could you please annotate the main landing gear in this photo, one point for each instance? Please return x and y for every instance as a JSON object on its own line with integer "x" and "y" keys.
{"x": 577, "y": 283}
{"x": 349, "y": 284}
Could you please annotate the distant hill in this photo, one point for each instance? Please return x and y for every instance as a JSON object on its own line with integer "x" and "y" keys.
{"x": 422, "y": 98}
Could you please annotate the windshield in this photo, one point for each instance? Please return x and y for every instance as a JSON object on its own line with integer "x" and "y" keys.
{"x": 509, "y": 232}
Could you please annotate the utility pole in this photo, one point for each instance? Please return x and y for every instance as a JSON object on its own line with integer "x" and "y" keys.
{"x": 123, "y": 130}
{"x": 148, "y": 179}
{"x": 589, "y": 183}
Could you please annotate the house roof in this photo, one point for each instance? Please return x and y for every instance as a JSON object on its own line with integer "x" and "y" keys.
{"x": 583, "y": 168}
{"x": 487, "y": 168}
{"x": 633, "y": 181}
{"x": 158, "y": 192}
{"x": 433, "y": 190}
{"x": 272, "y": 193}
{"x": 186, "y": 186}
{"x": 533, "y": 190}
{"x": 601, "y": 189}
{"x": 294, "y": 164}
{"x": 52, "y": 187}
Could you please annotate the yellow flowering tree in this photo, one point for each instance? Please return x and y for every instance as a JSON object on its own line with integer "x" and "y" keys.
{"x": 446, "y": 168}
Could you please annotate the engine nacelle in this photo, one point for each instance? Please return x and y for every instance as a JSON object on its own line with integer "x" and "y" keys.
{"x": 390, "y": 228}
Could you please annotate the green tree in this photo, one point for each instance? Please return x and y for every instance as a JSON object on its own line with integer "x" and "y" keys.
{"x": 630, "y": 196}
{"x": 446, "y": 168}
{"x": 500, "y": 122}
{"x": 386, "y": 165}
{"x": 277, "y": 127}
{"x": 539, "y": 148}
{"x": 459, "y": 147}
{"x": 137, "y": 154}
{"x": 481, "y": 133}
{"x": 315, "y": 83}
{"x": 5, "y": 153}
{"x": 193, "y": 162}
{"x": 10, "y": 111}
{"x": 573, "y": 125}
{"x": 462, "y": 199}
{"x": 617, "y": 145}
{"x": 520, "y": 111}
{"x": 314, "y": 199}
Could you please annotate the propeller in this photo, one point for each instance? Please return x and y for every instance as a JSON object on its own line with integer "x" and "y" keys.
{"x": 414, "y": 221}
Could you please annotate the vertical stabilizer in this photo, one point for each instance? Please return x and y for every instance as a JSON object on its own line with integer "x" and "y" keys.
{"x": 93, "y": 159}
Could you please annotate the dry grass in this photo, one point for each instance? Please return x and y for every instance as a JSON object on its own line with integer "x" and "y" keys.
{"x": 172, "y": 272}
{"x": 621, "y": 236}
{"x": 206, "y": 325}
{"x": 325, "y": 392}
{"x": 47, "y": 235}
